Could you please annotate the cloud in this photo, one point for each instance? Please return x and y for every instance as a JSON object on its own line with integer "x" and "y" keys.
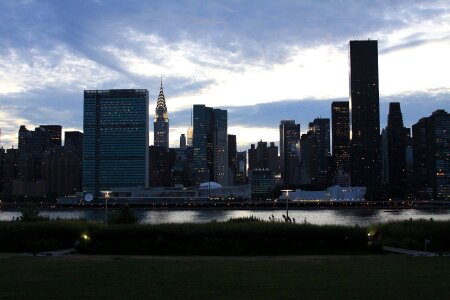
{"x": 244, "y": 55}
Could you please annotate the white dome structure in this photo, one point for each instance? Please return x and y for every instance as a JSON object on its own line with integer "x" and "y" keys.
{"x": 212, "y": 185}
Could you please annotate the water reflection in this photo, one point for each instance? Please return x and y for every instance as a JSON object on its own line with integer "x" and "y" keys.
{"x": 361, "y": 217}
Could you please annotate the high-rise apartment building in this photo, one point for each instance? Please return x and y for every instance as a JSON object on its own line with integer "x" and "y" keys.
{"x": 395, "y": 154}
{"x": 210, "y": 144}
{"x": 431, "y": 154}
{"x": 115, "y": 140}
{"x": 340, "y": 120}
{"x": 289, "y": 151}
{"x": 161, "y": 122}
{"x": 364, "y": 114}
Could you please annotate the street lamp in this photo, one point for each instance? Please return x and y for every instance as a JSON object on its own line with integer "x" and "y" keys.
{"x": 286, "y": 197}
{"x": 106, "y": 195}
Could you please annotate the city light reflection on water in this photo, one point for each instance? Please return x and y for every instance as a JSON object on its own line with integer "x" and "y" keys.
{"x": 345, "y": 216}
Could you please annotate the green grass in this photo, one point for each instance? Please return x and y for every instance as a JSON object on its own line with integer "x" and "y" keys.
{"x": 319, "y": 277}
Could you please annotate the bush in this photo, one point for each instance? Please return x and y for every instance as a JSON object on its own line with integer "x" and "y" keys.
{"x": 39, "y": 236}
{"x": 30, "y": 213}
{"x": 123, "y": 215}
{"x": 413, "y": 234}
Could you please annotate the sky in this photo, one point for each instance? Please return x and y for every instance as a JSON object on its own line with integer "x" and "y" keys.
{"x": 263, "y": 61}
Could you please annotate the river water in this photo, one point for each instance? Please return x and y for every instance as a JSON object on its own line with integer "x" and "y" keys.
{"x": 341, "y": 216}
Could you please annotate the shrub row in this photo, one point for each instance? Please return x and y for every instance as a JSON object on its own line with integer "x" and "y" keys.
{"x": 237, "y": 237}
{"x": 414, "y": 235}
{"x": 39, "y": 236}
{"x": 233, "y": 238}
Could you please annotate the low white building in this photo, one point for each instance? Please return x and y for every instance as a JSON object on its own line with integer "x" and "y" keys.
{"x": 334, "y": 193}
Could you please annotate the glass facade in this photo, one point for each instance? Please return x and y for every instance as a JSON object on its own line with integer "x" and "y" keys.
{"x": 115, "y": 140}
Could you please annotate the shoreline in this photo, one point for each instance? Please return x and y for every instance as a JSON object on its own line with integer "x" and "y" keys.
{"x": 397, "y": 205}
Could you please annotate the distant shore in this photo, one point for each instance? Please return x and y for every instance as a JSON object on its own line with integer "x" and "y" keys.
{"x": 223, "y": 205}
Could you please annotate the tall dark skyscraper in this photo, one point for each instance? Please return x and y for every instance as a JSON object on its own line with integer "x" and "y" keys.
{"x": 161, "y": 122}
{"x": 364, "y": 114}
{"x": 210, "y": 142}
{"x": 289, "y": 148}
{"x": 115, "y": 139}
{"x": 396, "y": 147}
{"x": 183, "y": 141}
{"x": 315, "y": 154}
{"x": 431, "y": 153}
{"x": 232, "y": 159}
{"x": 340, "y": 119}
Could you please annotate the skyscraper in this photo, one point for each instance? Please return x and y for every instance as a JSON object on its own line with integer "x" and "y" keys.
{"x": 232, "y": 159}
{"x": 340, "y": 119}
{"x": 221, "y": 146}
{"x": 210, "y": 145}
{"x": 115, "y": 139}
{"x": 289, "y": 148}
{"x": 396, "y": 147}
{"x": 182, "y": 141}
{"x": 364, "y": 114}
{"x": 431, "y": 154}
{"x": 315, "y": 154}
{"x": 161, "y": 122}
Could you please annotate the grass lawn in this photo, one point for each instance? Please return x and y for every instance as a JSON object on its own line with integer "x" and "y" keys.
{"x": 304, "y": 277}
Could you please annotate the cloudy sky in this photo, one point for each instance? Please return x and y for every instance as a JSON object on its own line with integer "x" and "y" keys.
{"x": 262, "y": 60}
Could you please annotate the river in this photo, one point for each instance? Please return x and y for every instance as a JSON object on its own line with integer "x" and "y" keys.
{"x": 341, "y": 216}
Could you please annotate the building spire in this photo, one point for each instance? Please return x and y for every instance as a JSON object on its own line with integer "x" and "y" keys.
{"x": 161, "y": 121}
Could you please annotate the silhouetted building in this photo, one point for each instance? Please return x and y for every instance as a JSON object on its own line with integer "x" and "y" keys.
{"x": 182, "y": 141}
{"x": 161, "y": 122}
{"x": 431, "y": 140}
{"x": 273, "y": 160}
{"x": 2, "y": 162}
{"x": 62, "y": 171}
{"x": 263, "y": 157}
{"x": 365, "y": 114}
{"x": 161, "y": 161}
{"x": 32, "y": 147}
{"x": 210, "y": 145}
{"x": 315, "y": 167}
{"x": 182, "y": 170}
{"x": 115, "y": 140}
{"x": 252, "y": 158}
{"x": 52, "y": 135}
{"x": 340, "y": 119}
{"x": 9, "y": 170}
{"x": 73, "y": 140}
{"x": 395, "y": 154}
{"x": 289, "y": 151}
{"x": 232, "y": 159}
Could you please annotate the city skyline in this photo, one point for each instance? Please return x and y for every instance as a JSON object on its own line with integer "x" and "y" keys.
{"x": 220, "y": 55}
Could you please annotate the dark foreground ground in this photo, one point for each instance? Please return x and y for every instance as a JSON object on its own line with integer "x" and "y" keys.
{"x": 299, "y": 277}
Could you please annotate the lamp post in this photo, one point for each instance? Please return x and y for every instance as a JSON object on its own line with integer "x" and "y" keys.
{"x": 286, "y": 197}
{"x": 106, "y": 195}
